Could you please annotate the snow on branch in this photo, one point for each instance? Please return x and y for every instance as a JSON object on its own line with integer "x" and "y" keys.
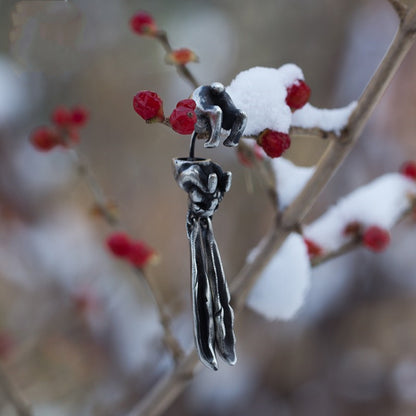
{"x": 261, "y": 92}
{"x": 281, "y": 289}
{"x": 380, "y": 203}
{"x": 290, "y": 179}
{"x": 326, "y": 119}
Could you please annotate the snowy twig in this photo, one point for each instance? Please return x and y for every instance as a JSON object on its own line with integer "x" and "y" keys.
{"x": 173, "y": 384}
{"x": 346, "y": 248}
{"x": 182, "y": 69}
{"x": 356, "y": 241}
{"x": 104, "y": 207}
{"x": 14, "y": 397}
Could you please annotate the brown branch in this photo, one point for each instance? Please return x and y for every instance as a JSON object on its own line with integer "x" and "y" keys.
{"x": 183, "y": 70}
{"x": 346, "y": 248}
{"x": 400, "y": 8}
{"x": 302, "y": 131}
{"x": 13, "y": 395}
{"x": 172, "y": 385}
{"x": 264, "y": 170}
{"x": 103, "y": 205}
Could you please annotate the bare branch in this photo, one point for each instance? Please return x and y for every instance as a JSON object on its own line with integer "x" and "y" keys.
{"x": 400, "y": 8}
{"x": 103, "y": 205}
{"x": 13, "y": 395}
{"x": 183, "y": 70}
{"x": 346, "y": 248}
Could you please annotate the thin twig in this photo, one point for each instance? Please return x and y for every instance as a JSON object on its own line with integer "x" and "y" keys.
{"x": 172, "y": 385}
{"x": 113, "y": 220}
{"x": 346, "y": 248}
{"x": 13, "y": 395}
{"x": 400, "y": 8}
{"x": 183, "y": 70}
{"x": 302, "y": 131}
{"x": 262, "y": 167}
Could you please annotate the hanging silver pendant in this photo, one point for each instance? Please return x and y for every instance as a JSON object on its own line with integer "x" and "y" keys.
{"x": 206, "y": 182}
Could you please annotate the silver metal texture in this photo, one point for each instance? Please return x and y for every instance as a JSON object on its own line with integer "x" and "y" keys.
{"x": 215, "y": 111}
{"x": 206, "y": 183}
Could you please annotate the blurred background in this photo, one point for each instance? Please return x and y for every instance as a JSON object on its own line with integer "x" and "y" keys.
{"x": 79, "y": 333}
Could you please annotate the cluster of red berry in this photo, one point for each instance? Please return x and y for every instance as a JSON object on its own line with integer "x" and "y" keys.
{"x": 275, "y": 143}
{"x": 63, "y": 131}
{"x": 149, "y": 106}
{"x": 138, "y": 253}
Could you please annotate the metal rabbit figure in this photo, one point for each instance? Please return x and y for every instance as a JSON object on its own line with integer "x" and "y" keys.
{"x": 206, "y": 183}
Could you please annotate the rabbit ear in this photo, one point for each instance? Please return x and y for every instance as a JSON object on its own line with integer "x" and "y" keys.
{"x": 204, "y": 331}
{"x": 222, "y": 311}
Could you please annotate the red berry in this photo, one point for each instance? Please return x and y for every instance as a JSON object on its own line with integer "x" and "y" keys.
{"x": 181, "y": 57}
{"x": 119, "y": 244}
{"x": 313, "y": 248}
{"x": 79, "y": 116}
{"x": 298, "y": 95}
{"x": 45, "y": 138}
{"x": 188, "y": 103}
{"x": 183, "y": 120}
{"x": 61, "y": 116}
{"x": 409, "y": 169}
{"x": 143, "y": 23}
{"x": 148, "y": 105}
{"x": 376, "y": 238}
{"x": 140, "y": 254}
{"x": 274, "y": 143}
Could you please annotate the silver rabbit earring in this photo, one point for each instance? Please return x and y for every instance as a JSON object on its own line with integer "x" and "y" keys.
{"x": 206, "y": 183}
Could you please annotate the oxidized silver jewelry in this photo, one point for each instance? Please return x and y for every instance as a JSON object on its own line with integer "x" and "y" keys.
{"x": 206, "y": 183}
{"x": 215, "y": 111}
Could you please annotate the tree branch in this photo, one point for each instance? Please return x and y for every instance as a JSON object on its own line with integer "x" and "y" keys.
{"x": 12, "y": 394}
{"x": 400, "y": 8}
{"x": 183, "y": 70}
